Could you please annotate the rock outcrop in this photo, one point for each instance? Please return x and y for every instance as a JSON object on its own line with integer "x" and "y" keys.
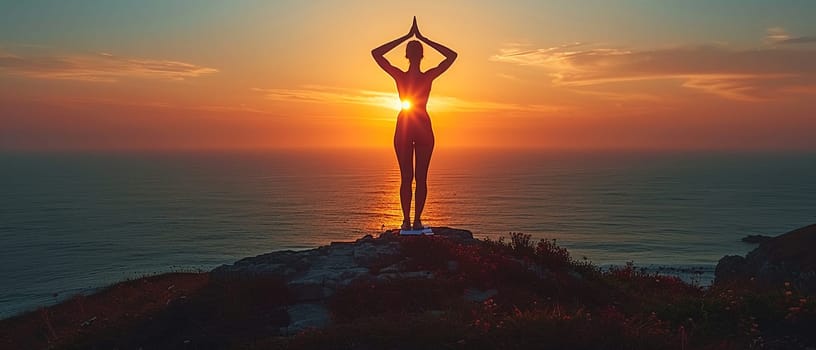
{"x": 314, "y": 275}
{"x": 786, "y": 258}
{"x": 756, "y": 239}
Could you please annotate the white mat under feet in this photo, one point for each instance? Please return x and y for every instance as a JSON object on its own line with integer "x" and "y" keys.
{"x": 425, "y": 231}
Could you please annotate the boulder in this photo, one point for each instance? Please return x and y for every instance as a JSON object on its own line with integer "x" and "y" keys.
{"x": 458, "y": 235}
{"x": 282, "y": 264}
{"x": 731, "y": 268}
{"x": 314, "y": 275}
{"x": 478, "y": 295}
{"x": 756, "y": 239}
{"x": 461, "y": 236}
{"x": 305, "y": 316}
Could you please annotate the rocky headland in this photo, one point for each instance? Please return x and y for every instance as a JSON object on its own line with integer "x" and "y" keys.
{"x": 313, "y": 276}
{"x": 789, "y": 259}
{"x": 446, "y": 291}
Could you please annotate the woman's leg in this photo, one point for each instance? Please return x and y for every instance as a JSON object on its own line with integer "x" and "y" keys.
{"x": 404, "y": 147}
{"x": 424, "y": 147}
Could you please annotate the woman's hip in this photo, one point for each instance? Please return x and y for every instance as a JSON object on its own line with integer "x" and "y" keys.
{"x": 414, "y": 134}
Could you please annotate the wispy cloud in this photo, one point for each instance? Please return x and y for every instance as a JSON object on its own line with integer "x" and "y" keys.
{"x": 749, "y": 75}
{"x": 779, "y": 36}
{"x": 325, "y": 94}
{"x": 621, "y": 96}
{"x": 100, "y": 67}
{"x": 236, "y": 110}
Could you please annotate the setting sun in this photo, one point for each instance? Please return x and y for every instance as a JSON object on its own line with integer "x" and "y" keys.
{"x": 406, "y": 104}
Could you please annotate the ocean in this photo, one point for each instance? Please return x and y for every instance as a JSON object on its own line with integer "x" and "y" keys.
{"x": 70, "y": 223}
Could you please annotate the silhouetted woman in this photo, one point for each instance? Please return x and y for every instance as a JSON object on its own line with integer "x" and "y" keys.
{"x": 413, "y": 133}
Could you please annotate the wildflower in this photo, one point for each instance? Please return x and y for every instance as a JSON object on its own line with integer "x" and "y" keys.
{"x": 516, "y": 311}
{"x": 788, "y": 293}
{"x": 787, "y": 284}
{"x": 683, "y": 337}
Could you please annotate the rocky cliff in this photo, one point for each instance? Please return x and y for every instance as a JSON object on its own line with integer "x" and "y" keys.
{"x": 313, "y": 275}
{"x": 788, "y": 258}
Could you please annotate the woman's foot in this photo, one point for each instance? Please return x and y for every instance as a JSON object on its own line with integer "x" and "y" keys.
{"x": 418, "y": 225}
{"x": 406, "y": 225}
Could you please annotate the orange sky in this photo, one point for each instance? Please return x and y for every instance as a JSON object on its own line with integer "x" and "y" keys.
{"x": 96, "y": 75}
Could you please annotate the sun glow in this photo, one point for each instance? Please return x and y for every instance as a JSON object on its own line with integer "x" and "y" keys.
{"x": 406, "y": 105}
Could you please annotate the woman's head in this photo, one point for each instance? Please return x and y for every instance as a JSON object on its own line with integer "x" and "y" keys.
{"x": 414, "y": 50}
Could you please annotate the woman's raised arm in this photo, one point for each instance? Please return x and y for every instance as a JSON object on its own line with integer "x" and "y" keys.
{"x": 449, "y": 54}
{"x": 379, "y": 53}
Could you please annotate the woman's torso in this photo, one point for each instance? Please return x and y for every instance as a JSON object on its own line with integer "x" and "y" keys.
{"x": 415, "y": 88}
